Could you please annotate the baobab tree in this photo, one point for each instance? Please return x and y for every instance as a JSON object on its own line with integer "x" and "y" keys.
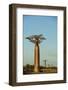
{"x": 36, "y": 39}
{"x": 45, "y": 62}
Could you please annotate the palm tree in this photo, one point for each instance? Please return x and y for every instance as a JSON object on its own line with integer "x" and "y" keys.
{"x": 36, "y": 39}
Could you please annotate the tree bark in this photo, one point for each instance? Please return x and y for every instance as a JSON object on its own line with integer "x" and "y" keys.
{"x": 36, "y": 58}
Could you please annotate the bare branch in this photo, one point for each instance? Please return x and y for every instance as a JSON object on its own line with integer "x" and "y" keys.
{"x": 36, "y": 38}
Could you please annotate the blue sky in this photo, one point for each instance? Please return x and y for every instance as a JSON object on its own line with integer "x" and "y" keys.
{"x": 46, "y": 25}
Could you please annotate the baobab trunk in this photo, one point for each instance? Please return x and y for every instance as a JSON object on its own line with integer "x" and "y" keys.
{"x": 36, "y": 58}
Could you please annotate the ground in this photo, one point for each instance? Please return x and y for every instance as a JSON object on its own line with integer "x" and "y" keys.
{"x": 29, "y": 69}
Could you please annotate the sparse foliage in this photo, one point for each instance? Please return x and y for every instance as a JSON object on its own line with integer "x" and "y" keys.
{"x": 36, "y": 38}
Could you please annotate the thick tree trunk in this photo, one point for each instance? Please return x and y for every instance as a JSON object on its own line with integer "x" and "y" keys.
{"x": 36, "y": 58}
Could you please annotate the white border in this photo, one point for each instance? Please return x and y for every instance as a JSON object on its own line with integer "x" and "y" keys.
{"x": 37, "y": 77}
